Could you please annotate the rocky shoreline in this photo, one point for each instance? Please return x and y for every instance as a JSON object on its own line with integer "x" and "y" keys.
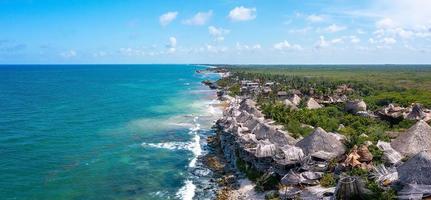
{"x": 254, "y": 158}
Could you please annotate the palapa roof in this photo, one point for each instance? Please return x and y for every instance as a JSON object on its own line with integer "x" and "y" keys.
{"x": 312, "y": 104}
{"x": 292, "y": 153}
{"x": 247, "y": 139}
{"x": 243, "y": 117}
{"x": 414, "y": 140}
{"x": 289, "y": 104}
{"x": 265, "y": 149}
{"x": 295, "y": 99}
{"x": 416, "y": 170}
{"x": 321, "y": 141}
{"x": 417, "y": 113}
{"x": 282, "y": 93}
{"x": 356, "y": 106}
{"x": 251, "y": 123}
{"x": 250, "y": 106}
{"x": 265, "y": 131}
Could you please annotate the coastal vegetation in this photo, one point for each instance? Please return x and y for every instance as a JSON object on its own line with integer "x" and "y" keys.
{"x": 378, "y": 85}
{"x": 376, "y": 89}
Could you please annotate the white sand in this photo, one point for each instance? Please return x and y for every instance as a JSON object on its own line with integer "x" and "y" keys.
{"x": 245, "y": 192}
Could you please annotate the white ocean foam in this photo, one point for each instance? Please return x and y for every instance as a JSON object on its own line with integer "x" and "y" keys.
{"x": 187, "y": 192}
{"x": 204, "y": 112}
{"x": 169, "y": 145}
{"x": 195, "y": 147}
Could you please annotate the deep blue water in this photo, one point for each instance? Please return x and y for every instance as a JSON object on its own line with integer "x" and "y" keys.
{"x": 101, "y": 131}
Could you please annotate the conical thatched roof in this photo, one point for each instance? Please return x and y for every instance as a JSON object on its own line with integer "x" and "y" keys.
{"x": 295, "y": 99}
{"x": 417, "y": 113}
{"x": 417, "y": 169}
{"x": 312, "y": 104}
{"x": 243, "y": 117}
{"x": 356, "y": 106}
{"x": 414, "y": 140}
{"x": 265, "y": 149}
{"x": 249, "y": 139}
{"x": 251, "y": 123}
{"x": 250, "y": 106}
{"x": 321, "y": 141}
{"x": 265, "y": 131}
{"x": 289, "y": 104}
{"x": 292, "y": 153}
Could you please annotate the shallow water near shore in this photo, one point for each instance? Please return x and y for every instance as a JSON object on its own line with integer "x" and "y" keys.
{"x": 104, "y": 131}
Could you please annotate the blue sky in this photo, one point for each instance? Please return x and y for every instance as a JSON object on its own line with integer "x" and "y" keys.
{"x": 224, "y": 31}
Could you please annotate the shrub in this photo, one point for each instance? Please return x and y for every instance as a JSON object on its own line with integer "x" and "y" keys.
{"x": 328, "y": 180}
{"x": 248, "y": 170}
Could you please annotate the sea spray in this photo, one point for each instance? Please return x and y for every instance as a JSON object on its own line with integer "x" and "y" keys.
{"x": 187, "y": 192}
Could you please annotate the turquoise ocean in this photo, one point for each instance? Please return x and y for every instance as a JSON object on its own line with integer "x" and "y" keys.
{"x": 104, "y": 132}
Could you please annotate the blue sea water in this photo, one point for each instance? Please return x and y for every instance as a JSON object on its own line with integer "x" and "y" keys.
{"x": 103, "y": 131}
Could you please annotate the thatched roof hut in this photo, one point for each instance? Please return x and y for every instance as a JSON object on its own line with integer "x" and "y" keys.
{"x": 292, "y": 153}
{"x": 417, "y": 113}
{"x": 290, "y": 105}
{"x": 417, "y": 169}
{"x": 295, "y": 99}
{"x": 265, "y": 131}
{"x": 321, "y": 141}
{"x": 414, "y": 140}
{"x": 243, "y": 117}
{"x": 356, "y": 106}
{"x": 248, "y": 140}
{"x": 282, "y": 94}
{"x": 251, "y": 123}
{"x": 265, "y": 149}
{"x": 251, "y": 107}
{"x": 312, "y": 104}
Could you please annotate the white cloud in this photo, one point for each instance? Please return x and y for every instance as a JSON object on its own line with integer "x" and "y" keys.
{"x": 285, "y": 45}
{"x": 354, "y": 39}
{"x": 242, "y": 14}
{"x": 315, "y": 18}
{"x": 69, "y": 54}
{"x": 245, "y": 47}
{"x": 382, "y": 42}
{"x": 386, "y": 23}
{"x": 335, "y": 28}
{"x": 218, "y": 33}
{"x": 408, "y": 14}
{"x": 131, "y": 52}
{"x": 100, "y": 54}
{"x": 337, "y": 41}
{"x": 214, "y": 49}
{"x": 405, "y": 34}
{"x": 199, "y": 19}
{"x": 172, "y": 44}
{"x": 360, "y": 31}
{"x": 323, "y": 43}
{"x": 389, "y": 41}
{"x": 167, "y": 18}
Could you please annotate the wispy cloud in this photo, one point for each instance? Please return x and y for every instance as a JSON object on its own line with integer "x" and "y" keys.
{"x": 335, "y": 28}
{"x": 69, "y": 54}
{"x": 218, "y": 33}
{"x": 315, "y": 18}
{"x": 172, "y": 45}
{"x": 199, "y": 19}
{"x": 167, "y": 18}
{"x": 285, "y": 45}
